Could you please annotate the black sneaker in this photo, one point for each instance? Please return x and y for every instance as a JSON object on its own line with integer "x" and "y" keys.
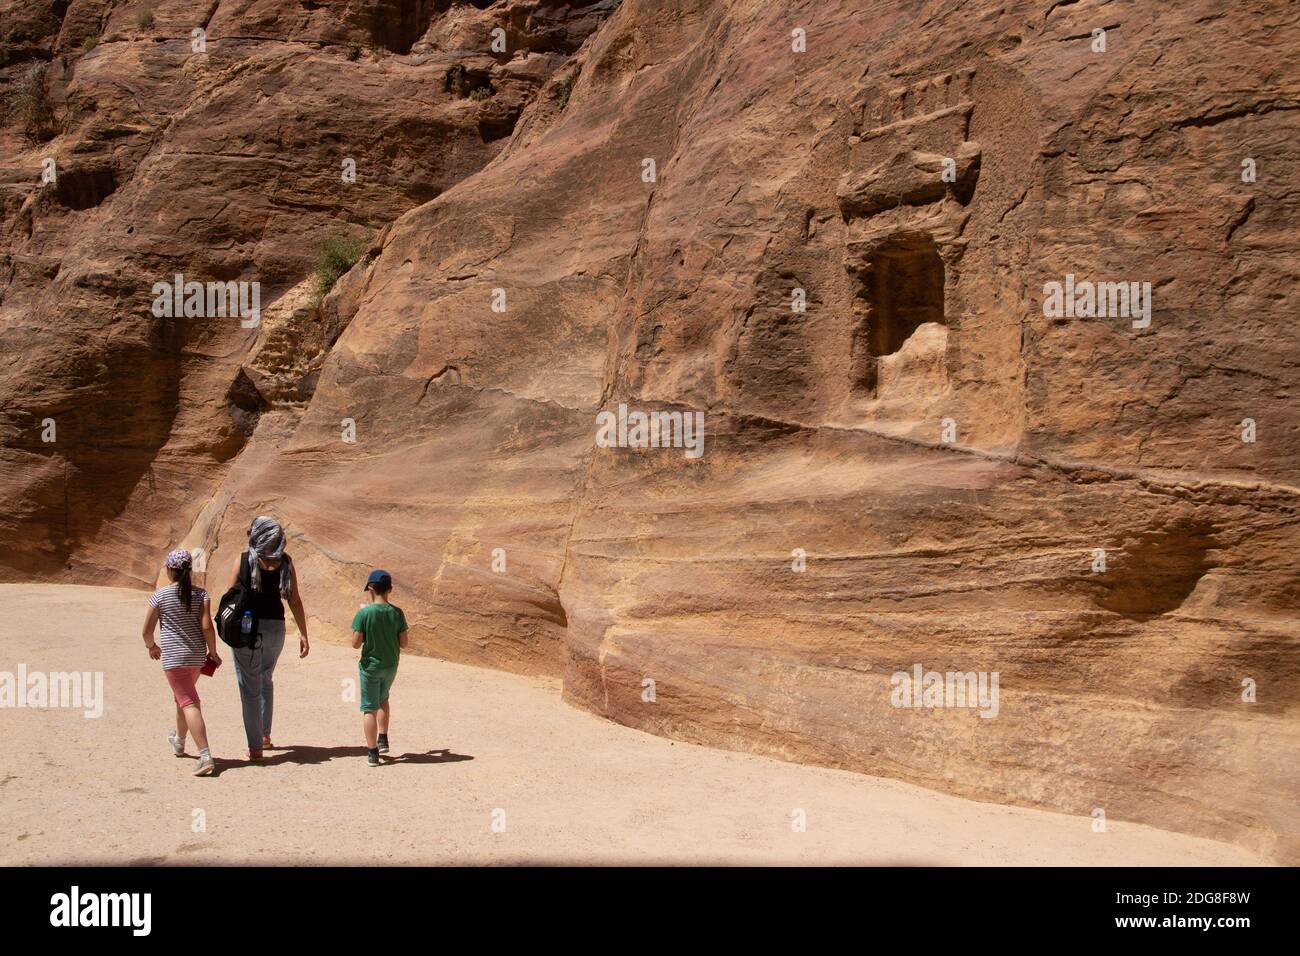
{"x": 372, "y": 757}
{"x": 383, "y": 743}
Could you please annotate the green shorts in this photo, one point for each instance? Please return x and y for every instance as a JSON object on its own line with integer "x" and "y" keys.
{"x": 375, "y": 684}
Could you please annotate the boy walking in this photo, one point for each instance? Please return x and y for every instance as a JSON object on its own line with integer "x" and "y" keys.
{"x": 379, "y": 629}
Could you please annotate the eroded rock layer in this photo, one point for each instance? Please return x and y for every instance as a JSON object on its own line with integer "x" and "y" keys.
{"x": 829, "y": 228}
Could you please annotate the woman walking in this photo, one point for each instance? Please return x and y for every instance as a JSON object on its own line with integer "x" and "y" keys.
{"x": 184, "y": 619}
{"x": 268, "y": 572}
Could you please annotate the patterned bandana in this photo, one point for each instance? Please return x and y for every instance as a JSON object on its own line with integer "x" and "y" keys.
{"x": 178, "y": 560}
{"x": 266, "y": 540}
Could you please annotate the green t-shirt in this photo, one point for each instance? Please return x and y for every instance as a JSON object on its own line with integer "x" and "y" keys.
{"x": 380, "y": 623}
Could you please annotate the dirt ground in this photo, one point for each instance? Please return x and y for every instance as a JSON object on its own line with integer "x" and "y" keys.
{"x": 486, "y": 768}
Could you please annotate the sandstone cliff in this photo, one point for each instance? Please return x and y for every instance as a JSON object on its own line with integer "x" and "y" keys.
{"x": 923, "y": 465}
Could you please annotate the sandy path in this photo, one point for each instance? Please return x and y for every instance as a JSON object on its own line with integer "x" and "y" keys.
{"x": 573, "y": 788}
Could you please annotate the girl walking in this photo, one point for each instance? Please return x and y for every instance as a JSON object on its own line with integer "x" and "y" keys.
{"x": 188, "y": 640}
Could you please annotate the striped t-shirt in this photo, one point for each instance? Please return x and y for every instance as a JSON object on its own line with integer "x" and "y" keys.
{"x": 180, "y": 632}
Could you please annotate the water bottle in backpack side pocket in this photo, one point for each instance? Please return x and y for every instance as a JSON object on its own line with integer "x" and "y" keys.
{"x": 246, "y": 625}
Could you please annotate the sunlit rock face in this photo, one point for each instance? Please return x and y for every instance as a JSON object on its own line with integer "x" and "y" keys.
{"x": 844, "y": 234}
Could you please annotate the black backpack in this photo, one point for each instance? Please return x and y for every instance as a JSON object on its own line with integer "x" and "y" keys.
{"x": 230, "y": 613}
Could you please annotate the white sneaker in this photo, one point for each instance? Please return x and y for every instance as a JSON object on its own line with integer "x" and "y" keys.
{"x": 206, "y": 767}
{"x": 177, "y": 742}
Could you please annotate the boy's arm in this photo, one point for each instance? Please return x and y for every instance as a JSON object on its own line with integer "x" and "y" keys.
{"x": 403, "y": 638}
{"x": 358, "y": 625}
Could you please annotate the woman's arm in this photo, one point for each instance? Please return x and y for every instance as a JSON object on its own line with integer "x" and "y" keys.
{"x": 150, "y": 622}
{"x": 209, "y": 632}
{"x": 299, "y": 615}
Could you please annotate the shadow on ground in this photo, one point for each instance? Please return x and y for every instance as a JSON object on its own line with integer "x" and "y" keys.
{"x": 318, "y": 755}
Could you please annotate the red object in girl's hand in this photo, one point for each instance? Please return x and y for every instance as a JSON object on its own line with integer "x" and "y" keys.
{"x": 209, "y": 667}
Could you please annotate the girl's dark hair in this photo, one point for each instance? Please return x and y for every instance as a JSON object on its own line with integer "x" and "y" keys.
{"x": 183, "y": 583}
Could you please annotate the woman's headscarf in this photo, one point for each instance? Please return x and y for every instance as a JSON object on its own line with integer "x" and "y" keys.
{"x": 266, "y": 540}
{"x": 178, "y": 560}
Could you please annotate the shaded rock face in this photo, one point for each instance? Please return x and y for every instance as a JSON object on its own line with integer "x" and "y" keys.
{"x": 840, "y": 256}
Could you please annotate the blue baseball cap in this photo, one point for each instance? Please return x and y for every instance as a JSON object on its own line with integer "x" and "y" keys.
{"x": 379, "y": 577}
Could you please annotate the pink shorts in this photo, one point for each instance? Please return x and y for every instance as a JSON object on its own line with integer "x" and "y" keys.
{"x": 182, "y": 680}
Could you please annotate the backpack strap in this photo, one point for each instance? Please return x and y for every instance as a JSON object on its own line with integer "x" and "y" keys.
{"x": 245, "y": 579}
